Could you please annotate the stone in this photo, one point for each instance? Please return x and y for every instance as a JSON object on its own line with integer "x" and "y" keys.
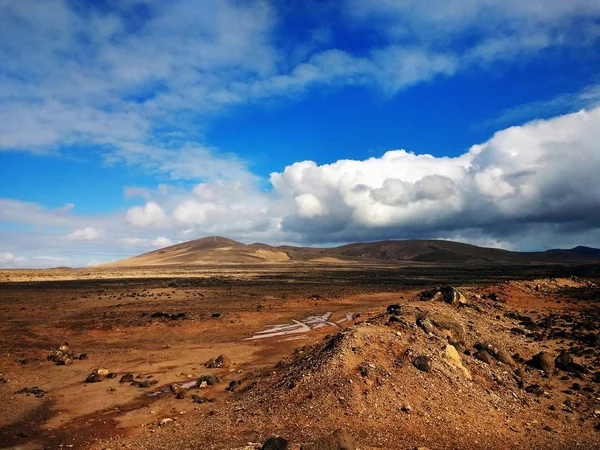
{"x": 97, "y": 375}
{"x": 543, "y": 361}
{"x": 210, "y": 380}
{"x": 127, "y": 378}
{"x": 535, "y": 389}
{"x": 275, "y": 443}
{"x": 453, "y": 358}
{"x": 220, "y": 361}
{"x": 423, "y": 363}
{"x": 393, "y": 309}
{"x": 338, "y": 440}
{"x": 505, "y": 358}
{"x": 484, "y": 356}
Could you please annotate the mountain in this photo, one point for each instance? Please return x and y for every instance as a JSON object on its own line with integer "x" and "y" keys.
{"x": 220, "y": 250}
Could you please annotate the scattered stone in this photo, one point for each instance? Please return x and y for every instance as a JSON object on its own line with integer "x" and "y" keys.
{"x": 338, "y": 440}
{"x": 543, "y": 361}
{"x": 423, "y": 363}
{"x": 216, "y": 315}
{"x": 201, "y": 399}
{"x": 36, "y": 391}
{"x": 165, "y": 421}
{"x": 220, "y": 361}
{"x": 275, "y": 443}
{"x": 83, "y": 356}
{"x": 127, "y": 378}
{"x": 62, "y": 356}
{"x": 505, "y": 358}
{"x": 448, "y": 294}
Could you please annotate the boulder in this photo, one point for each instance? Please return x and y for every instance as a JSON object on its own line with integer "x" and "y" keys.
{"x": 423, "y": 363}
{"x": 543, "y": 361}
{"x": 338, "y": 440}
{"x": 275, "y": 443}
{"x": 453, "y": 359}
{"x": 483, "y": 355}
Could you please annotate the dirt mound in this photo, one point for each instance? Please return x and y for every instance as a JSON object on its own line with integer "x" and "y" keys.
{"x": 368, "y": 379}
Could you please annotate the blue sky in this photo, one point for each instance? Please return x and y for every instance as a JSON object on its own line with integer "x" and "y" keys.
{"x": 130, "y": 125}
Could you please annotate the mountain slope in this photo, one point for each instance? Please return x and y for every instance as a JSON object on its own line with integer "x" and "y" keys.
{"x": 220, "y": 250}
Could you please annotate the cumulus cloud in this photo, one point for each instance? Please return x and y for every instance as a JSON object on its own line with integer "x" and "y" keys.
{"x": 514, "y": 184}
{"x": 84, "y": 234}
{"x": 151, "y": 215}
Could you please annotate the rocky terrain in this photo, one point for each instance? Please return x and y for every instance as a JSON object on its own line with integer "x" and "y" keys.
{"x": 329, "y": 358}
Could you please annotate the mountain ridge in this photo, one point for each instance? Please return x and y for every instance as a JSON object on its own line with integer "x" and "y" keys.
{"x": 220, "y": 250}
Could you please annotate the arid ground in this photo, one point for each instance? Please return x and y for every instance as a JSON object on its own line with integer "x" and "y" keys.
{"x": 309, "y": 349}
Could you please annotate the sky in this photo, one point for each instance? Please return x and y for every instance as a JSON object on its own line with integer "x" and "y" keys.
{"x": 127, "y": 126}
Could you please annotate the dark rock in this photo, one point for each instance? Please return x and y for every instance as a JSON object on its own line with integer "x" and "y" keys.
{"x": 564, "y": 361}
{"x": 199, "y": 398}
{"x": 394, "y": 319}
{"x": 210, "y": 379}
{"x": 339, "y": 440}
{"x": 127, "y": 378}
{"x": 111, "y": 375}
{"x": 423, "y": 363}
{"x": 393, "y": 309}
{"x": 39, "y": 393}
{"x": 83, "y": 356}
{"x": 504, "y": 358}
{"x": 543, "y": 361}
{"x": 535, "y": 389}
{"x": 484, "y": 356}
{"x": 275, "y": 443}
{"x": 93, "y": 377}
{"x": 220, "y": 361}
{"x": 180, "y": 395}
{"x": 216, "y": 315}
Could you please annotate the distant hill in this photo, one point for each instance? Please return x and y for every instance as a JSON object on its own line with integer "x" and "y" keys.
{"x": 219, "y": 250}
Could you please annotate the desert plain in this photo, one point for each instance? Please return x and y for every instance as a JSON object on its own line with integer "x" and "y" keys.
{"x": 509, "y": 360}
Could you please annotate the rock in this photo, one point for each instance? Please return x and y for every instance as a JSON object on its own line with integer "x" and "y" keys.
{"x": 393, "y": 309}
{"x": 484, "y": 356}
{"x": 127, "y": 378}
{"x": 534, "y": 389}
{"x": 220, "y": 361}
{"x": 216, "y": 315}
{"x": 275, "y": 443}
{"x": 453, "y": 358}
{"x": 165, "y": 421}
{"x": 200, "y": 398}
{"x": 453, "y": 296}
{"x": 394, "y": 319}
{"x": 505, "y": 358}
{"x": 177, "y": 389}
{"x": 448, "y": 294}
{"x": 83, "y": 356}
{"x": 426, "y": 325}
{"x": 423, "y": 363}
{"x": 564, "y": 361}
{"x": 338, "y": 440}
{"x": 97, "y": 375}
{"x": 210, "y": 380}
{"x": 543, "y": 361}
{"x": 39, "y": 393}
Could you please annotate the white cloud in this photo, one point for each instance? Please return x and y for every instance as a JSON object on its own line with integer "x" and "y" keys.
{"x": 84, "y": 234}
{"x": 151, "y": 215}
{"x": 162, "y": 241}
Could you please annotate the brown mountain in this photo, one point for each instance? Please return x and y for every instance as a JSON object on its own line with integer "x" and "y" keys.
{"x": 220, "y": 250}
